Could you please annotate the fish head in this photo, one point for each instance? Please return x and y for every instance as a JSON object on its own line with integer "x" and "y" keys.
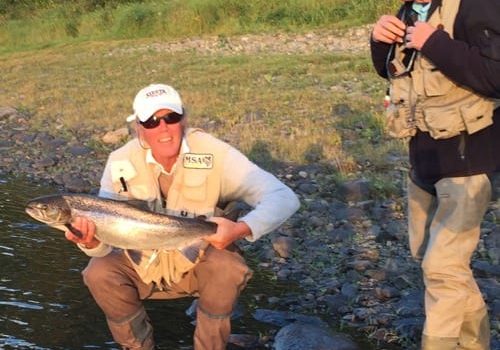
{"x": 51, "y": 210}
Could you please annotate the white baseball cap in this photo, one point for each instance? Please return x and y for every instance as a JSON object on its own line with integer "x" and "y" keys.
{"x": 153, "y": 98}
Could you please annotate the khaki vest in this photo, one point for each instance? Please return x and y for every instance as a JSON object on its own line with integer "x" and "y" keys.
{"x": 427, "y": 100}
{"x": 195, "y": 191}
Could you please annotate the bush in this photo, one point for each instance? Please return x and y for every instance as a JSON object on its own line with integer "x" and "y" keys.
{"x": 121, "y": 19}
{"x": 134, "y": 20}
{"x": 71, "y": 27}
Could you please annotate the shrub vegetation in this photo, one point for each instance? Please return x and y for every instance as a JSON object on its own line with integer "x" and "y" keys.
{"x": 32, "y": 23}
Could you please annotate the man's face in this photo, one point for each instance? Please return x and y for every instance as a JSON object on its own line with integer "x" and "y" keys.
{"x": 164, "y": 139}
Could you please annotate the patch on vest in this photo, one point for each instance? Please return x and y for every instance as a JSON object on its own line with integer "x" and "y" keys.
{"x": 198, "y": 161}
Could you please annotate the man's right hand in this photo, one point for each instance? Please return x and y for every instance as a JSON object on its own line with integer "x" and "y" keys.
{"x": 87, "y": 229}
{"x": 389, "y": 29}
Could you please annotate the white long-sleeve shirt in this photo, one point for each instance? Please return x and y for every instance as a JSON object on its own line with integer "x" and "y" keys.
{"x": 241, "y": 180}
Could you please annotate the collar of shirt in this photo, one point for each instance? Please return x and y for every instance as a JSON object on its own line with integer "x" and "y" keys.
{"x": 422, "y": 10}
{"x": 151, "y": 160}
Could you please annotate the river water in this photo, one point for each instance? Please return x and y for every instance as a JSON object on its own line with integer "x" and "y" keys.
{"x": 43, "y": 301}
{"x": 45, "y": 305}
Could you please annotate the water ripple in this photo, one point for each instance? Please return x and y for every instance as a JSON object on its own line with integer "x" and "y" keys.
{"x": 16, "y": 343}
{"x": 6, "y": 289}
{"x": 22, "y": 305}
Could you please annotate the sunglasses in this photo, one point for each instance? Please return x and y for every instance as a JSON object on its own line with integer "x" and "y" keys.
{"x": 154, "y": 121}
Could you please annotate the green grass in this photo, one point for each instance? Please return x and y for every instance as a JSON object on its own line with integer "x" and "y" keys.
{"x": 277, "y": 108}
{"x": 59, "y": 22}
{"x": 281, "y": 104}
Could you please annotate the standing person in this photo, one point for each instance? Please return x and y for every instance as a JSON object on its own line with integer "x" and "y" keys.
{"x": 442, "y": 58}
{"x": 185, "y": 172}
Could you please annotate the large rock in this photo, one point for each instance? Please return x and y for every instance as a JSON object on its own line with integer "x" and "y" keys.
{"x": 485, "y": 269}
{"x": 283, "y": 318}
{"x": 6, "y": 112}
{"x": 77, "y": 185}
{"x": 299, "y": 336}
{"x": 283, "y": 246}
{"x": 116, "y": 136}
{"x": 355, "y": 191}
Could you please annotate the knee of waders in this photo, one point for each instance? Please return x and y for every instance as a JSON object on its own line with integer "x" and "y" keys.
{"x": 436, "y": 263}
{"x": 221, "y": 277}
{"x": 227, "y": 269}
{"x": 98, "y": 272}
{"x": 428, "y": 267}
{"x": 133, "y": 332}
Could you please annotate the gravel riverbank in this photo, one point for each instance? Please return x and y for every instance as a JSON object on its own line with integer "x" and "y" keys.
{"x": 346, "y": 249}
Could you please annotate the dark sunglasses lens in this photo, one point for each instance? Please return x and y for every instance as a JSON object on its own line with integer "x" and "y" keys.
{"x": 153, "y": 122}
{"x": 173, "y": 118}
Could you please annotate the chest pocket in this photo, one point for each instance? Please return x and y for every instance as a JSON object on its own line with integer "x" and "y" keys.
{"x": 195, "y": 183}
{"x": 434, "y": 83}
{"x": 127, "y": 182}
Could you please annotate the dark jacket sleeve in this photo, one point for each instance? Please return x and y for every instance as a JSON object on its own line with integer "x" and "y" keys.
{"x": 467, "y": 64}
{"x": 379, "y": 52}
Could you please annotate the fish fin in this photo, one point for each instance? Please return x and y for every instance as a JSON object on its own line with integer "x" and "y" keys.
{"x": 192, "y": 251}
{"x": 74, "y": 231}
{"x": 135, "y": 255}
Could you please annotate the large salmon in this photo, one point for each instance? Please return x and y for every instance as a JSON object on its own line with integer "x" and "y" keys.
{"x": 118, "y": 223}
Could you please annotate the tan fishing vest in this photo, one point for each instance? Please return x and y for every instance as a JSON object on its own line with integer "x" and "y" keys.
{"x": 194, "y": 191}
{"x": 427, "y": 100}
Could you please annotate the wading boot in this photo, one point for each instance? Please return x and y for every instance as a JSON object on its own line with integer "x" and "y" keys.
{"x": 134, "y": 332}
{"x": 475, "y": 331}
{"x": 439, "y": 343}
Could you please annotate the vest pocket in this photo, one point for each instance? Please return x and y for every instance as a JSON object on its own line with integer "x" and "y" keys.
{"x": 142, "y": 192}
{"x": 443, "y": 123}
{"x": 477, "y": 116}
{"x": 400, "y": 90}
{"x": 135, "y": 190}
{"x": 436, "y": 83}
{"x": 195, "y": 185}
{"x": 398, "y": 122}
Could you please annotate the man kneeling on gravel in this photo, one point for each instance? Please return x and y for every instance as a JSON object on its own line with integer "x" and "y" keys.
{"x": 184, "y": 172}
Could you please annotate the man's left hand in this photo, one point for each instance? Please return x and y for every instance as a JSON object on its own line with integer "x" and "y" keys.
{"x": 417, "y": 36}
{"x": 227, "y": 232}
